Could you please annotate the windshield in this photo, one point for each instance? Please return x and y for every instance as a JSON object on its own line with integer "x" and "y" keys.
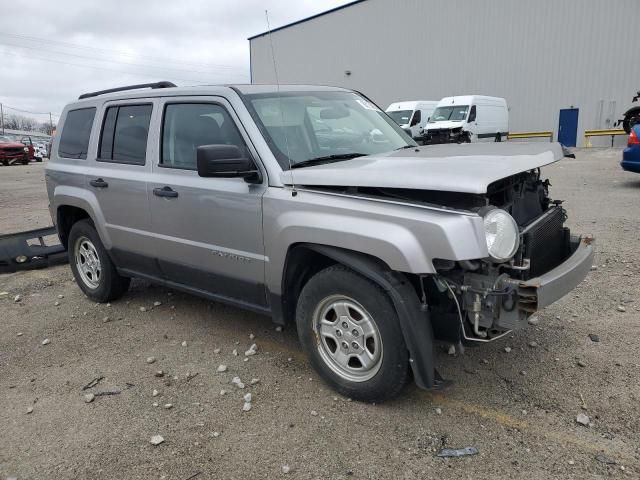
{"x": 401, "y": 117}
{"x": 5, "y": 139}
{"x": 452, "y": 113}
{"x": 302, "y": 126}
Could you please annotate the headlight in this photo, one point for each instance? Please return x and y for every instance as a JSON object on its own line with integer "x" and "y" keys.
{"x": 502, "y": 235}
{"x": 26, "y": 149}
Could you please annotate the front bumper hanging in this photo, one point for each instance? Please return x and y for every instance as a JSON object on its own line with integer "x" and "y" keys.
{"x": 543, "y": 290}
{"x": 28, "y": 250}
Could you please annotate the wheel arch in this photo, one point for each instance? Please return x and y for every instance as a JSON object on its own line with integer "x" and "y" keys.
{"x": 305, "y": 259}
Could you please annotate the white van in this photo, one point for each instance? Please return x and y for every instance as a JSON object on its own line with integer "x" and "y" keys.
{"x": 468, "y": 118}
{"x": 412, "y": 115}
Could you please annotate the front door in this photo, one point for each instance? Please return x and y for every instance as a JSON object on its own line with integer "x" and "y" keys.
{"x": 208, "y": 230}
{"x": 568, "y": 127}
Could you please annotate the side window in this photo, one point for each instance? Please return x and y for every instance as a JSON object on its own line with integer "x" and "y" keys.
{"x": 417, "y": 118}
{"x": 186, "y": 126}
{"x": 472, "y": 114}
{"x": 124, "y": 134}
{"x": 74, "y": 139}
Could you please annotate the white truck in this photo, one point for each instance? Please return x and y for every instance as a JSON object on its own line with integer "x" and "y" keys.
{"x": 412, "y": 115}
{"x": 468, "y": 118}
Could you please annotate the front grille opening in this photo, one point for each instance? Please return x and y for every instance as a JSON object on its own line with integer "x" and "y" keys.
{"x": 546, "y": 242}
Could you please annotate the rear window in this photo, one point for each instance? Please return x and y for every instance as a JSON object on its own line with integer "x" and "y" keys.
{"x": 74, "y": 140}
{"x": 124, "y": 134}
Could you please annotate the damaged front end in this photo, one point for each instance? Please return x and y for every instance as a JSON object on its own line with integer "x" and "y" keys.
{"x": 30, "y": 250}
{"x": 482, "y": 300}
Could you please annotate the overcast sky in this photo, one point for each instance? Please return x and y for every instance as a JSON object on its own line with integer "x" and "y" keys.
{"x": 52, "y": 51}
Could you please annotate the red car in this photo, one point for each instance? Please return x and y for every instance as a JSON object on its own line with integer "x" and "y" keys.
{"x": 13, "y": 152}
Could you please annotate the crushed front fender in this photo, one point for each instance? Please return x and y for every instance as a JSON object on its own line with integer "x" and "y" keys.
{"x": 30, "y": 250}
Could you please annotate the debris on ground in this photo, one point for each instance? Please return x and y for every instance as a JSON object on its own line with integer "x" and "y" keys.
{"x": 254, "y": 381}
{"x": 507, "y": 349}
{"x": 151, "y": 360}
{"x": 457, "y": 452}
{"x": 438, "y": 410}
{"x": 621, "y": 308}
{"x": 533, "y": 320}
{"x": 452, "y": 350}
{"x": 143, "y": 309}
{"x": 533, "y": 344}
{"x": 89, "y": 397}
{"x": 157, "y": 440}
{"x": 159, "y": 373}
{"x": 221, "y": 368}
{"x": 216, "y": 350}
{"x": 581, "y": 363}
{"x": 247, "y": 397}
{"x": 157, "y": 304}
{"x": 223, "y": 392}
{"x": 251, "y": 336}
{"x": 278, "y": 328}
{"x": 237, "y": 382}
{"x": 583, "y": 419}
{"x": 155, "y": 393}
{"x": 246, "y": 407}
{"x": 286, "y": 469}
{"x": 253, "y": 349}
{"x": 168, "y": 406}
{"x": 594, "y": 338}
{"x": 17, "y": 298}
{"x": 46, "y": 341}
{"x": 29, "y": 410}
{"x": 184, "y": 343}
{"x": 604, "y": 459}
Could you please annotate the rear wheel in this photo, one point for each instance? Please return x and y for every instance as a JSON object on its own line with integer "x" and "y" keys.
{"x": 498, "y": 137}
{"x": 25, "y": 160}
{"x": 350, "y": 330}
{"x": 92, "y": 268}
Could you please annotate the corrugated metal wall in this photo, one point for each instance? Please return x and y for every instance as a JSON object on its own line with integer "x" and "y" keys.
{"x": 540, "y": 55}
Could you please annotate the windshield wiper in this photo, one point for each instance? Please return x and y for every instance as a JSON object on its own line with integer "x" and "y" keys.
{"x": 406, "y": 146}
{"x": 327, "y": 159}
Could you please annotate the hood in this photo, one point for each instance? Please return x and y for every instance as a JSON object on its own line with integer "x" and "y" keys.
{"x": 464, "y": 168}
{"x": 444, "y": 124}
{"x": 12, "y": 145}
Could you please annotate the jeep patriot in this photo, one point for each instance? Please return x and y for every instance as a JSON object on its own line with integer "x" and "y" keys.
{"x": 310, "y": 205}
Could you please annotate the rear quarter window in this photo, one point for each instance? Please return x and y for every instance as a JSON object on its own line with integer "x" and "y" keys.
{"x": 74, "y": 140}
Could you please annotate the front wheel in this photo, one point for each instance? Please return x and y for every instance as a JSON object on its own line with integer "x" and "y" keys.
{"x": 92, "y": 268}
{"x": 350, "y": 330}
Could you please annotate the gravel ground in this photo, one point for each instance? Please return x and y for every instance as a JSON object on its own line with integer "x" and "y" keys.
{"x": 518, "y": 408}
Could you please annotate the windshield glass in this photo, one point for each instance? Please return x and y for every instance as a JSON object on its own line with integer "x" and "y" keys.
{"x": 401, "y": 117}
{"x": 452, "y": 113}
{"x": 5, "y": 139}
{"x": 300, "y": 126}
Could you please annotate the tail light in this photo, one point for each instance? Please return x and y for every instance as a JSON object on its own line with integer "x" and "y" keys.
{"x": 633, "y": 138}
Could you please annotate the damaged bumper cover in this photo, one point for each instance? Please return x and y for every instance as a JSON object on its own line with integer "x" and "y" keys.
{"x": 541, "y": 291}
{"x": 29, "y": 250}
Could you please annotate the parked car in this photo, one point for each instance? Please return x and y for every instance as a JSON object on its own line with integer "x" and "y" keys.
{"x": 26, "y": 140}
{"x": 468, "y": 118}
{"x": 12, "y": 152}
{"x": 412, "y": 115}
{"x": 631, "y": 154}
{"x": 41, "y": 150}
{"x": 373, "y": 249}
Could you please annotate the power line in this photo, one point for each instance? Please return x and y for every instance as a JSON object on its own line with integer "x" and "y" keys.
{"x": 136, "y": 74}
{"x": 27, "y": 111}
{"x": 48, "y": 42}
{"x": 129, "y": 64}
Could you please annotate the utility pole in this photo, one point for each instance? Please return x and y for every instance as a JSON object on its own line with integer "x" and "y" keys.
{"x": 2, "y": 118}
{"x": 50, "y": 125}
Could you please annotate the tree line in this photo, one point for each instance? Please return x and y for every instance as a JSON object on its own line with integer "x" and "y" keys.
{"x": 14, "y": 121}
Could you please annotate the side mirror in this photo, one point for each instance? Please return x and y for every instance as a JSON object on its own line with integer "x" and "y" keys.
{"x": 225, "y": 161}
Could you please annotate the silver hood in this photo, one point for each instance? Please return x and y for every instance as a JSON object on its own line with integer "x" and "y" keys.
{"x": 465, "y": 168}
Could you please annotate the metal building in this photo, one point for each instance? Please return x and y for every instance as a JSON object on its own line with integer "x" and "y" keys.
{"x": 565, "y": 65}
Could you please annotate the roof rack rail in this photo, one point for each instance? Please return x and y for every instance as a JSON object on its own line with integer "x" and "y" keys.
{"x": 130, "y": 87}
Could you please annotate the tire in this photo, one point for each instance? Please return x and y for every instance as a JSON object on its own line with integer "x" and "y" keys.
{"x": 92, "y": 268}
{"x": 5, "y": 162}
{"x": 498, "y": 137}
{"x": 39, "y": 159}
{"x": 367, "y": 312}
{"x": 25, "y": 161}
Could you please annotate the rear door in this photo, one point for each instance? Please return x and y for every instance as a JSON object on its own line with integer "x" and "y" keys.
{"x": 118, "y": 178}
{"x": 208, "y": 231}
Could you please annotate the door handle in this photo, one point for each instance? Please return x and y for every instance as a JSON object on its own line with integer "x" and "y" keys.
{"x": 98, "y": 183}
{"x": 165, "y": 192}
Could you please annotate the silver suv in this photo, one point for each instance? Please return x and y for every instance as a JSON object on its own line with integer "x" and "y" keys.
{"x": 310, "y": 205}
